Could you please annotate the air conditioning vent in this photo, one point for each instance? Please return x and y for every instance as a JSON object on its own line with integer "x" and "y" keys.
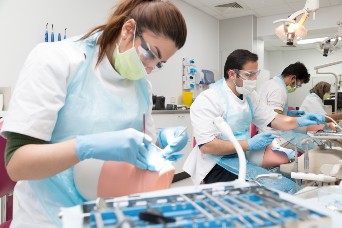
{"x": 232, "y": 5}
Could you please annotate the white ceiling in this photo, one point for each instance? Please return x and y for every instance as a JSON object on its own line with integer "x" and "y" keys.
{"x": 259, "y": 8}
{"x": 262, "y": 8}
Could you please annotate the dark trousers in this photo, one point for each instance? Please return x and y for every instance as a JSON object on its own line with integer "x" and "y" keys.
{"x": 219, "y": 174}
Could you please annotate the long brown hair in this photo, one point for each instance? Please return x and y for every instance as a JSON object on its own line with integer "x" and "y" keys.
{"x": 159, "y": 17}
{"x": 321, "y": 88}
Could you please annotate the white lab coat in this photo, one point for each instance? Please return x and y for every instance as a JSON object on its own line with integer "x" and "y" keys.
{"x": 207, "y": 106}
{"x": 39, "y": 94}
{"x": 313, "y": 103}
{"x": 273, "y": 93}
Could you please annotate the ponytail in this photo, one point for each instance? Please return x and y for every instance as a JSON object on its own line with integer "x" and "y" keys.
{"x": 159, "y": 17}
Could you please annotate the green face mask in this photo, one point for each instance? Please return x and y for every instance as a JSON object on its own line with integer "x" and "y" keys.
{"x": 326, "y": 96}
{"x": 290, "y": 89}
{"x": 128, "y": 63}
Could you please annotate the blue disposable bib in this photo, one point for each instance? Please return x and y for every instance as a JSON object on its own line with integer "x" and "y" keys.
{"x": 89, "y": 108}
{"x": 239, "y": 123}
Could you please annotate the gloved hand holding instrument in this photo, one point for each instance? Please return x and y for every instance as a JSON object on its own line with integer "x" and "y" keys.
{"x": 310, "y": 119}
{"x": 128, "y": 145}
{"x": 173, "y": 140}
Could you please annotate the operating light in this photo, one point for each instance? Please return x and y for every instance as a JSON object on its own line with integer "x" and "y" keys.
{"x": 330, "y": 45}
{"x": 292, "y": 31}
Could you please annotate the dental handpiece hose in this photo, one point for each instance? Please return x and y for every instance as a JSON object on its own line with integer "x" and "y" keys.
{"x": 227, "y": 131}
{"x": 338, "y": 127}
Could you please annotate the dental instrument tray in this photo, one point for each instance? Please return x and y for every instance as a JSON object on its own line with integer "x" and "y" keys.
{"x": 325, "y": 134}
{"x": 215, "y": 205}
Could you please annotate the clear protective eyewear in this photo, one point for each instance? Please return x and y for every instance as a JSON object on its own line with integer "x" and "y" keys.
{"x": 147, "y": 56}
{"x": 249, "y": 75}
{"x": 297, "y": 85}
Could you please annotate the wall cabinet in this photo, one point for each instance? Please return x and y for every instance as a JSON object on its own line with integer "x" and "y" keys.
{"x": 172, "y": 119}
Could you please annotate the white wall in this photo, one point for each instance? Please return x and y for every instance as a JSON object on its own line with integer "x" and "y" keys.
{"x": 202, "y": 44}
{"x": 276, "y": 61}
{"x": 23, "y": 26}
{"x": 236, "y": 33}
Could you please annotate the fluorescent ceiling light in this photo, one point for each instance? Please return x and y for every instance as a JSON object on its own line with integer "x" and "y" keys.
{"x": 311, "y": 41}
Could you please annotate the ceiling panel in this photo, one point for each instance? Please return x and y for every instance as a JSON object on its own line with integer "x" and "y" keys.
{"x": 195, "y": 3}
{"x": 254, "y": 4}
{"x": 272, "y": 10}
{"x": 335, "y": 2}
{"x": 263, "y": 8}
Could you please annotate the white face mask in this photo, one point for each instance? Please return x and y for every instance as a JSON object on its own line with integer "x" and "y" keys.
{"x": 248, "y": 86}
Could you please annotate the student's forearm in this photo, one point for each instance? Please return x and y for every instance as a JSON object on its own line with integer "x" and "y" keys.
{"x": 282, "y": 122}
{"x": 222, "y": 147}
{"x": 336, "y": 116}
{"x": 32, "y": 162}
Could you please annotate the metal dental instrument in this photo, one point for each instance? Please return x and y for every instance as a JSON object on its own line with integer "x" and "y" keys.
{"x": 213, "y": 209}
{"x": 144, "y": 123}
{"x": 195, "y": 205}
{"x": 259, "y": 209}
{"x": 245, "y": 206}
{"x": 228, "y": 208}
{"x": 181, "y": 132}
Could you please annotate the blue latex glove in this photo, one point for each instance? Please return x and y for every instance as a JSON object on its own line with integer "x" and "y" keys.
{"x": 289, "y": 152}
{"x": 310, "y": 119}
{"x": 127, "y": 145}
{"x": 295, "y": 113}
{"x": 171, "y": 141}
{"x": 260, "y": 141}
{"x": 156, "y": 158}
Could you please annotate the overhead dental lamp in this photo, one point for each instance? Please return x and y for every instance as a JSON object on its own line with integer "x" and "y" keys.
{"x": 331, "y": 44}
{"x": 291, "y": 31}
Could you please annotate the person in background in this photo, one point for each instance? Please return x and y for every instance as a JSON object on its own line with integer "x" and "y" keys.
{"x": 234, "y": 98}
{"x": 274, "y": 93}
{"x": 85, "y": 98}
{"x": 314, "y": 102}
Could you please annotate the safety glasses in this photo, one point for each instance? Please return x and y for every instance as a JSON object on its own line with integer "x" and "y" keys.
{"x": 297, "y": 84}
{"x": 249, "y": 75}
{"x": 147, "y": 56}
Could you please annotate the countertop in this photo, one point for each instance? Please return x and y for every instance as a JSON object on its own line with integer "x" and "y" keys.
{"x": 170, "y": 111}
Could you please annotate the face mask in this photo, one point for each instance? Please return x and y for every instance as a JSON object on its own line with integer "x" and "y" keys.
{"x": 128, "y": 63}
{"x": 290, "y": 89}
{"x": 326, "y": 96}
{"x": 248, "y": 86}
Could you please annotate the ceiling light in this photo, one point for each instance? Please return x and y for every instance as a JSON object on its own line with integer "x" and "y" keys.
{"x": 291, "y": 31}
{"x": 331, "y": 44}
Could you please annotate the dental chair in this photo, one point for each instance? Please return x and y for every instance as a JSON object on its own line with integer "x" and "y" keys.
{"x": 6, "y": 188}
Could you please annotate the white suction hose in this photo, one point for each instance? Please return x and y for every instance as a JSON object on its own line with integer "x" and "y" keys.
{"x": 336, "y": 124}
{"x": 227, "y": 131}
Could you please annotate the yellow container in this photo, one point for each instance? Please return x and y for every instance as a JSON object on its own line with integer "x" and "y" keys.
{"x": 187, "y": 98}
